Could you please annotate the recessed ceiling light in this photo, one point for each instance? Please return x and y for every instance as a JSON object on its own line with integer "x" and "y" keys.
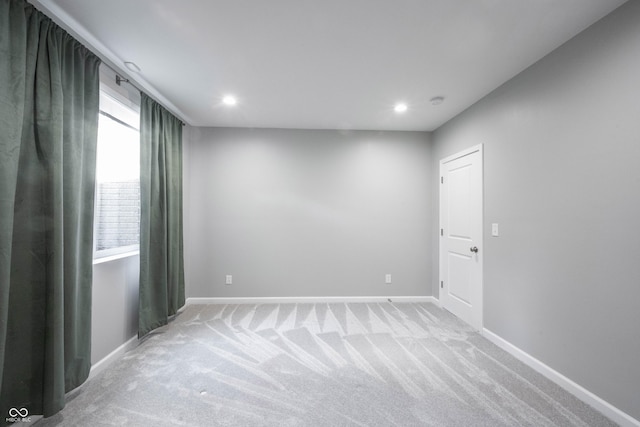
{"x": 132, "y": 66}
{"x": 229, "y": 100}
{"x": 400, "y": 107}
{"x": 437, "y": 100}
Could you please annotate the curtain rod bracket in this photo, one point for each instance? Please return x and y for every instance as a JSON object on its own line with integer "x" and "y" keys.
{"x": 120, "y": 80}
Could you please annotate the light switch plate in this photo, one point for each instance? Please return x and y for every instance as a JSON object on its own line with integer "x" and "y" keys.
{"x": 494, "y": 230}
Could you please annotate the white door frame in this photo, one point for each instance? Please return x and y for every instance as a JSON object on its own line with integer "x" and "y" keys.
{"x": 476, "y": 148}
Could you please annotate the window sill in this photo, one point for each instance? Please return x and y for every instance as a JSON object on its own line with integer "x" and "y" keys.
{"x": 116, "y": 257}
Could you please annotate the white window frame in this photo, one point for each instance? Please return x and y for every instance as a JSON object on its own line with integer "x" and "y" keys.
{"x": 128, "y": 100}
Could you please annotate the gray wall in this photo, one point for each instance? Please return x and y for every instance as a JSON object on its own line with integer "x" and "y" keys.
{"x": 562, "y": 178}
{"x": 114, "y": 316}
{"x": 307, "y": 213}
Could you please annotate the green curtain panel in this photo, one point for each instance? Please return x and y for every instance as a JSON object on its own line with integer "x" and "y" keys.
{"x": 49, "y": 105}
{"x": 161, "y": 252}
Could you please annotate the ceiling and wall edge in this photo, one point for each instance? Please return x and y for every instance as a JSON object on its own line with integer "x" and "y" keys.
{"x": 52, "y": 9}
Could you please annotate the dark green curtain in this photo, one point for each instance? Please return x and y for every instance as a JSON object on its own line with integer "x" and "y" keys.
{"x": 49, "y": 94}
{"x": 161, "y": 253}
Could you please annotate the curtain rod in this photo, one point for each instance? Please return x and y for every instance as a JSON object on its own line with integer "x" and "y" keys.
{"x": 120, "y": 80}
{"x": 82, "y": 38}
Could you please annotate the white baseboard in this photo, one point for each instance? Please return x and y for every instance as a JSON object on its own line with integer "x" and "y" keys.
{"x": 311, "y": 300}
{"x": 615, "y": 414}
{"x": 115, "y": 355}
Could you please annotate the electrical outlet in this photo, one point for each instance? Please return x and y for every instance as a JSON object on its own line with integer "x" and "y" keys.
{"x": 387, "y": 279}
{"x": 228, "y": 280}
{"x": 494, "y": 230}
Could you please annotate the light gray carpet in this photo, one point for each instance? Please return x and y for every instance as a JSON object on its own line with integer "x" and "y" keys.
{"x": 384, "y": 364}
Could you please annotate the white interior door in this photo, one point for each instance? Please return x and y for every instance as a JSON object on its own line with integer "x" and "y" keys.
{"x": 461, "y": 235}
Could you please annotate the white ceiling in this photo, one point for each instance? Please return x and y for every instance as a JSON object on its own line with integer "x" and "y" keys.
{"x": 324, "y": 64}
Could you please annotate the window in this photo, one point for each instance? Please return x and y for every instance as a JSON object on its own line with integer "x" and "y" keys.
{"x": 117, "y": 213}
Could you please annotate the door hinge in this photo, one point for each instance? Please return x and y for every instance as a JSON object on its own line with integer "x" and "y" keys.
{"x": 442, "y": 231}
{"x": 442, "y": 284}
{"x": 442, "y": 180}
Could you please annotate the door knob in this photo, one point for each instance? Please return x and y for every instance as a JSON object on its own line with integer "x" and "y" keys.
{"x": 474, "y": 249}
